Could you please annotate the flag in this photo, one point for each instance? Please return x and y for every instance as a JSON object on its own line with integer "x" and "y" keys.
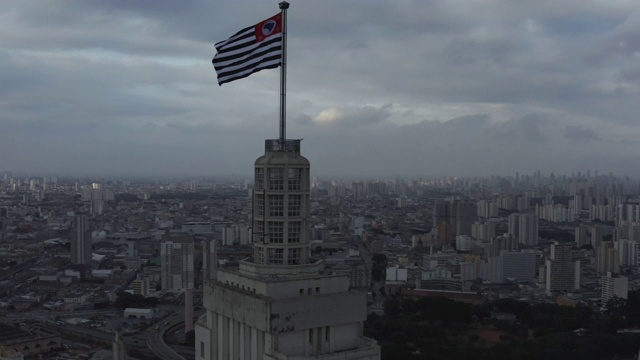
{"x": 250, "y": 50}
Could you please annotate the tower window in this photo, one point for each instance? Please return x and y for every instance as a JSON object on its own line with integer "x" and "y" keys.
{"x": 276, "y": 205}
{"x": 294, "y": 179}
{"x": 294, "y": 205}
{"x": 293, "y": 236}
{"x": 259, "y": 179}
{"x": 294, "y": 256}
{"x": 276, "y": 179}
{"x": 260, "y": 204}
{"x": 276, "y": 256}
{"x": 259, "y": 228}
{"x": 276, "y": 232}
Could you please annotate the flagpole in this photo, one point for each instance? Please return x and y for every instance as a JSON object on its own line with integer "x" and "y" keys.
{"x": 283, "y": 76}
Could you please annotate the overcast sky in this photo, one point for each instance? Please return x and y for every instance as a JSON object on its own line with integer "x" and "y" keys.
{"x": 375, "y": 88}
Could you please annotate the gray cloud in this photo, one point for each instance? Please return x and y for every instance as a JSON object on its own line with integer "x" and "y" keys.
{"x": 383, "y": 88}
{"x": 579, "y": 132}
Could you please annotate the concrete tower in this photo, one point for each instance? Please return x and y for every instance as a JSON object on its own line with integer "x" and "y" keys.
{"x": 281, "y": 304}
{"x": 81, "y": 241}
{"x": 281, "y": 205}
{"x": 118, "y": 347}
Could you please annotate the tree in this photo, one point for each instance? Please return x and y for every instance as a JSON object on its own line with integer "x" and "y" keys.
{"x": 392, "y": 307}
{"x": 616, "y": 307}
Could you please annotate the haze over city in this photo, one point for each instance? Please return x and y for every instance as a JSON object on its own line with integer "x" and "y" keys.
{"x": 375, "y": 88}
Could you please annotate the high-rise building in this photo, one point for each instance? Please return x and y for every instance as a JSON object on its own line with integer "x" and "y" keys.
{"x": 514, "y": 225}
{"x": 607, "y": 258}
{"x": 281, "y": 304}
{"x": 465, "y": 215}
{"x": 528, "y": 229}
{"x": 80, "y": 241}
{"x": 614, "y": 285}
{"x": 629, "y": 251}
{"x": 441, "y": 213}
{"x": 176, "y": 260}
{"x": 581, "y": 238}
{"x": 483, "y": 231}
{"x": 597, "y": 235}
{"x": 562, "y": 272}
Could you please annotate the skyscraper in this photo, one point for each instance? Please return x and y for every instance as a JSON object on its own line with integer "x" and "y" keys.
{"x": 562, "y": 272}
{"x": 281, "y": 303}
{"x": 176, "y": 260}
{"x": 528, "y": 229}
{"x": 80, "y": 240}
{"x": 466, "y": 213}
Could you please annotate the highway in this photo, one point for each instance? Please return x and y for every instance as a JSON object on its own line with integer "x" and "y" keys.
{"x": 150, "y": 339}
{"x": 157, "y": 344}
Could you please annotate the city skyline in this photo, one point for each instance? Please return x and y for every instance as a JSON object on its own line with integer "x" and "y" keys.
{"x": 375, "y": 89}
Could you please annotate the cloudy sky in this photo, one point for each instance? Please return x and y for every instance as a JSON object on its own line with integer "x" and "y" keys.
{"x": 375, "y": 88}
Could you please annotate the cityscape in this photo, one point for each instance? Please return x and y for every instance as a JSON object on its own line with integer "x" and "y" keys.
{"x": 449, "y": 181}
{"x": 126, "y": 265}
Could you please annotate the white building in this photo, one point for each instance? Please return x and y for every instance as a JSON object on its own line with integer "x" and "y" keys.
{"x": 395, "y": 273}
{"x": 614, "y": 285}
{"x": 463, "y": 243}
{"x": 280, "y": 304}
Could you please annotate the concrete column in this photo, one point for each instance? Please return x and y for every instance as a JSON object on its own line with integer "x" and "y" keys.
{"x": 241, "y": 340}
{"x": 213, "y": 335}
{"x": 254, "y": 344}
{"x": 221, "y": 337}
{"x": 188, "y": 310}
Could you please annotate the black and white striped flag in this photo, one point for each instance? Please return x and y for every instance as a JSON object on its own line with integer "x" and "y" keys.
{"x": 250, "y": 50}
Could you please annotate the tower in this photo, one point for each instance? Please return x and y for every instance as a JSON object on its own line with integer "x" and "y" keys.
{"x": 281, "y": 205}
{"x": 281, "y": 303}
{"x": 81, "y": 241}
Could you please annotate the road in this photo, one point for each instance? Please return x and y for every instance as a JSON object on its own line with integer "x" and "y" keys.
{"x": 156, "y": 343}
